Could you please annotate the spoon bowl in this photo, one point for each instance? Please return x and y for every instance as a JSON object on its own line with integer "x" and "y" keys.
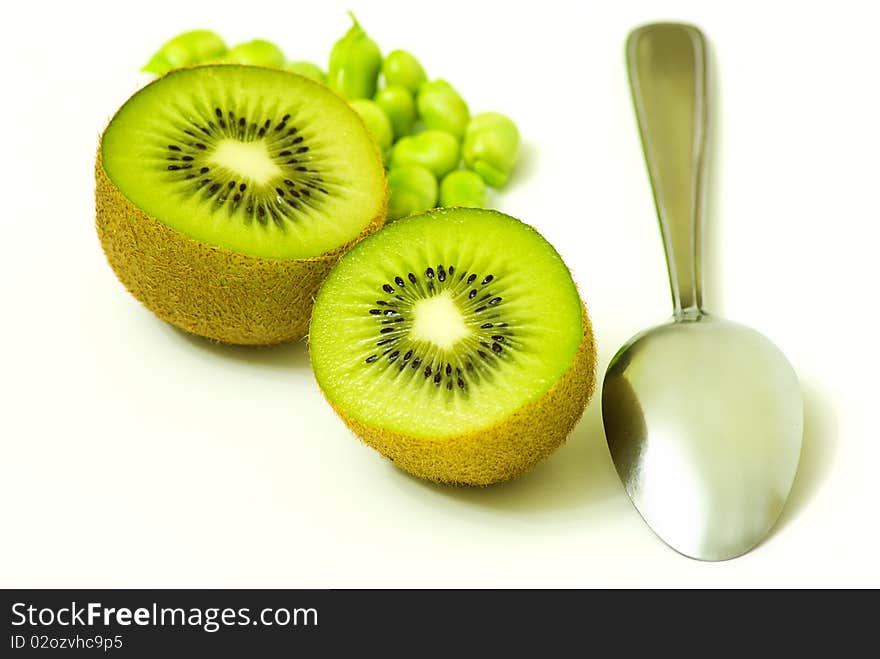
{"x": 704, "y": 420}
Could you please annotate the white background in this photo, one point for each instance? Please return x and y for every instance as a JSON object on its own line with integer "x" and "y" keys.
{"x": 132, "y": 454}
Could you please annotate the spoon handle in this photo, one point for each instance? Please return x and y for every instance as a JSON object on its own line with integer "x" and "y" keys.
{"x": 667, "y": 75}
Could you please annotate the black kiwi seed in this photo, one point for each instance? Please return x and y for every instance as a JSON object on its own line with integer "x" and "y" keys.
{"x": 269, "y": 200}
{"x": 372, "y": 358}
{"x": 394, "y": 316}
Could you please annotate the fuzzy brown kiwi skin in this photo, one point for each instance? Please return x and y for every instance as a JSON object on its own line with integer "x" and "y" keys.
{"x": 208, "y": 290}
{"x": 504, "y": 450}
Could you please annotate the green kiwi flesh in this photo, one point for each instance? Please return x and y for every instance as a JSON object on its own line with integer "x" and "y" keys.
{"x": 456, "y": 343}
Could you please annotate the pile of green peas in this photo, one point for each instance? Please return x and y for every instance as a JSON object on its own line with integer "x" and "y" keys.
{"x": 435, "y": 151}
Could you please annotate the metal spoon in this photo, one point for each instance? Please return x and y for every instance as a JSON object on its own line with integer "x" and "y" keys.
{"x": 703, "y": 417}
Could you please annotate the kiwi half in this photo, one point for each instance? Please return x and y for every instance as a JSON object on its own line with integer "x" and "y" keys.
{"x": 456, "y": 344}
{"x": 225, "y": 194}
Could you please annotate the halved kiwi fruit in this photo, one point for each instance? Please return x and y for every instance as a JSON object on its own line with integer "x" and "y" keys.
{"x": 226, "y": 193}
{"x": 456, "y": 344}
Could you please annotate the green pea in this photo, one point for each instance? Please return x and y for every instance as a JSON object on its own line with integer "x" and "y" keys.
{"x": 463, "y": 188}
{"x": 195, "y": 47}
{"x": 436, "y": 150}
{"x": 355, "y": 61}
{"x": 402, "y": 68}
{"x": 258, "y": 52}
{"x": 413, "y": 190}
{"x": 491, "y": 147}
{"x": 376, "y": 120}
{"x": 442, "y": 108}
{"x": 400, "y": 107}
{"x": 308, "y": 70}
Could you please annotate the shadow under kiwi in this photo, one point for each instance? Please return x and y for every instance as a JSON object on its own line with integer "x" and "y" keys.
{"x": 817, "y": 455}
{"x": 290, "y": 355}
{"x": 578, "y": 476}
